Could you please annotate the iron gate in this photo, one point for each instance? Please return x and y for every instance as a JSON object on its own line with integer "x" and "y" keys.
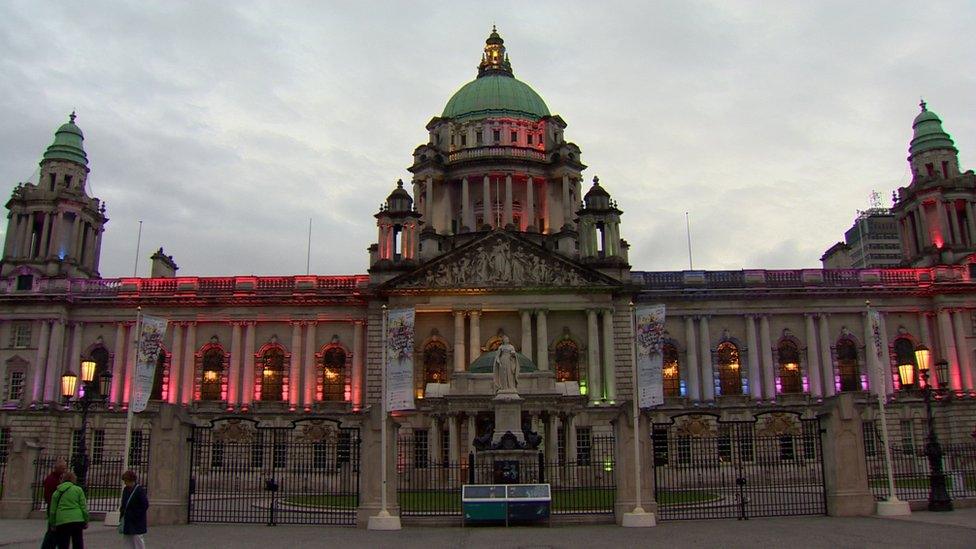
{"x": 705, "y": 468}
{"x": 307, "y": 473}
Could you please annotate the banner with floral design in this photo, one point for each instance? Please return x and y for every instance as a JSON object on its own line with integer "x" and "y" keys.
{"x": 399, "y": 359}
{"x": 151, "y": 332}
{"x": 648, "y": 338}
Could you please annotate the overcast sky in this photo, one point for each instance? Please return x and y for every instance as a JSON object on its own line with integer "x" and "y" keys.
{"x": 225, "y": 126}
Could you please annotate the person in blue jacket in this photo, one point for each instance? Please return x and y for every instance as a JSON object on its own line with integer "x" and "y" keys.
{"x": 132, "y": 510}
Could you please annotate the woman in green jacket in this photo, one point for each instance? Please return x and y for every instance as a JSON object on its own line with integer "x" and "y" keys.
{"x": 68, "y": 514}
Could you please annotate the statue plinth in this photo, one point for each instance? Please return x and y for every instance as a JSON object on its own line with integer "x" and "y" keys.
{"x": 508, "y": 416}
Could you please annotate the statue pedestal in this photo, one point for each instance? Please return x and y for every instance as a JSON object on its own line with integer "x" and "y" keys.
{"x": 507, "y": 467}
{"x": 508, "y": 416}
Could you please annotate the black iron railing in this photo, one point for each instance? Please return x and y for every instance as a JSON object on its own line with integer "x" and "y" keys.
{"x": 426, "y": 487}
{"x": 705, "y": 469}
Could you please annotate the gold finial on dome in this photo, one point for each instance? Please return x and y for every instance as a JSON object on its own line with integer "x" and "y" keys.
{"x": 494, "y": 61}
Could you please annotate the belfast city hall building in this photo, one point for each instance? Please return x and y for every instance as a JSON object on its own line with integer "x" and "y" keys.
{"x": 265, "y": 405}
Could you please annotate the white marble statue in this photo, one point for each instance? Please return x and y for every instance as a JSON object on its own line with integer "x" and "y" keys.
{"x": 506, "y": 367}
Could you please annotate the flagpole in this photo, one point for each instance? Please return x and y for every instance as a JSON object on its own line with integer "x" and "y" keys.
{"x": 638, "y": 518}
{"x": 891, "y": 506}
{"x": 383, "y": 520}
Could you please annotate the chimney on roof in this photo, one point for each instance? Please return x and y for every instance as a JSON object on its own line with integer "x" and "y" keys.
{"x": 163, "y": 265}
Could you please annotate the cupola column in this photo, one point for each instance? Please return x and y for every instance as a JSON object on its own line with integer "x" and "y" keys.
{"x": 507, "y": 219}
{"x": 529, "y": 214}
{"x": 970, "y": 223}
{"x": 465, "y": 205}
{"x": 567, "y": 214}
{"x": 429, "y": 203}
{"x": 486, "y": 201}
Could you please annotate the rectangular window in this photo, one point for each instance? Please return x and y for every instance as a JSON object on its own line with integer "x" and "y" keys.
{"x": 561, "y": 445}
{"x": 746, "y": 448}
{"x": 514, "y": 137}
{"x": 477, "y": 137}
{"x": 4, "y": 444}
{"x": 584, "y": 438}
{"x": 464, "y": 141}
{"x": 787, "y": 448}
{"x": 135, "y": 449}
{"x": 659, "y": 441}
{"x": 870, "y": 439}
{"x": 684, "y": 450}
{"x": 217, "y": 455}
{"x": 445, "y": 446}
{"x": 907, "y": 437}
{"x": 25, "y": 282}
{"x": 20, "y": 336}
{"x": 420, "y": 448}
{"x": 497, "y": 135}
{"x": 75, "y": 441}
{"x": 725, "y": 443}
{"x": 344, "y": 448}
{"x": 280, "y": 457}
{"x": 529, "y": 138}
{"x": 320, "y": 455}
{"x": 15, "y": 388}
{"x": 945, "y": 169}
{"x": 257, "y": 450}
{"x": 98, "y": 446}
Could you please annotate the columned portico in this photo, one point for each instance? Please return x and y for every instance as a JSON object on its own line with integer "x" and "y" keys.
{"x": 769, "y": 367}
{"x": 189, "y": 363}
{"x": 755, "y": 387}
{"x": 594, "y": 387}
{"x": 475, "y": 345}
{"x": 691, "y": 350}
{"x": 826, "y": 358}
{"x": 813, "y": 357}
{"x": 609, "y": 372}
{"x": 708, "y": 375}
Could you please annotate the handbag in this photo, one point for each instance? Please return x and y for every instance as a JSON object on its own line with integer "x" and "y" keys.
{"x": 126, "y": 506}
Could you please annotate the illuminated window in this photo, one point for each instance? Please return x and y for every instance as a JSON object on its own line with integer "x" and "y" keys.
{"x": 435, "y": 362}
{"x": 567, "y": 360}
{"x": 157, "y": 386}
{"x": 212, "y": 374}
{"x": 671, "y": 373}
{"x": 334, "y": 374}
{"x": 850, "y": 378}
{"x": 789, "y": 367}
{"x": 272, "y": 364}
{"x": 729, "y": 371}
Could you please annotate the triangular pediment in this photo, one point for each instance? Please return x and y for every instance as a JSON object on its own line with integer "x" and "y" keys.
{"x": 501, "y": 261}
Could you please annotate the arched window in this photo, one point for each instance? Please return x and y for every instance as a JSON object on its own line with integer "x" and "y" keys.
{"x": 567, "y": 360}
{"x": 212, "y": 373}
{"x": 101, "y": 358}
{"x": 157, "y": 386}
{"x": 729, "y": 372}
{"x": 850, "y": 378}
{"x": 905, "y": 354}
{"x": 272, "y": 364}
{"x": 790, "y": 380}
{"x": 334, "y": 374}
{"x": 671, "y": 372}
{"x": 435, "y": 362}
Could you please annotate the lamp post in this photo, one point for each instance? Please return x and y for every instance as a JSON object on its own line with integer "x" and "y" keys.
{"x": 939, "y": 499}
{"x": 94, "y": 391}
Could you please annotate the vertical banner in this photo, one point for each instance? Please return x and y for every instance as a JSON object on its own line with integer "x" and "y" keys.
{"x": 399, "y": 360}
{"x": 649, "y": 326}
{"x": 151, "y": 332}
{"x": 874, "y": 317}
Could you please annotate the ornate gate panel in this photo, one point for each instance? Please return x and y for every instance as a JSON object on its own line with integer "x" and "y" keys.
{"x": 307, "y": 473}
{"x": 705, "y": 468}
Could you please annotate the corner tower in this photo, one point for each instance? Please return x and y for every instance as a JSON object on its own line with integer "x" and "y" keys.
{"x": 54, "y": 228}
{"x": 935, "y": 212}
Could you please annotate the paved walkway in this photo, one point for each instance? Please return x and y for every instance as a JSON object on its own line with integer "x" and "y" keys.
{"x": 922, "y": 529}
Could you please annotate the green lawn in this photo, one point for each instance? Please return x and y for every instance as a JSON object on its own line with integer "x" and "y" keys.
{"x": 922, "y": 482}
{"x": 562, "y": 500}
{"x": 666, "y": 497}
{"x": 332, "y": 501}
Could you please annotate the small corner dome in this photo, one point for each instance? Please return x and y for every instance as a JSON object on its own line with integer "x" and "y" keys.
{"x": 68, "y": 144}
{"x": 399, "y": 200}
{"x": 928, "y": 133}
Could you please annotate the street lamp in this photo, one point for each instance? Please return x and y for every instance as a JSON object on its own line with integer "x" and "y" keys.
{"x": 92, "y": 392}
{"x": 939, "y": 499}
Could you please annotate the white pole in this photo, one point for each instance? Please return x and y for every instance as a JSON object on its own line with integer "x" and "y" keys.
{"x": 383, "y": 520}
{"x": 308, "y": 253}
{"x": 135, "y": 268}
{"x": 636, "y": 411}
{"x": 691, "y": 266}
{"x": 891, "y": 506}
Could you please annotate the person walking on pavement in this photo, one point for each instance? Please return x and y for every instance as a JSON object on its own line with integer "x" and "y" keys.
{"x": 67, "y": 515}
{"x": 132, "y": 512}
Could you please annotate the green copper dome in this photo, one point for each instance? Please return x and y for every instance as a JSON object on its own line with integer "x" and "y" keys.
{"x": 68, "y": 144}
{"x": 496, "y": 92}
{"x": 929, "y": 134}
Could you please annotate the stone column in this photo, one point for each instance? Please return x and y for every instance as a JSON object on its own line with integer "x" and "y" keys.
{"x": 40, "y": 365}
{"x": 886, "y": 355}
{"x": 486, "y": 202}
{"x": 755, "y": 375}
{"x": 472, "y": 432}
{"x": 567, "y": 216}
{"x": 826, "y": 359}
{"x": 529, "y": 204}
{"x": 189, "y": 363}
{"x": 708, "y": 374}
{"x": 434, "y": 442}
{"x": 593, "y": 385}
{"x": 248, "y": 386}
{"x": 295, "y": 367}
{"x": 13, "y": 226}
{"x": 925, "y": 336}
{"x": 169, "y": 484}
{"x": 542, "y": 339}
{"x": 954, "y": 218}
{"x": 118, "y": 362}
{"x": 971, "y": 223}
{"x": 769, "y": 367}
{"x": 175, "y": 364}
{"x": 465, "y": 203}
{"x": 552, "y": 438}
{"x": 526, "y": 333}
{"x": 965, "y": 363}
{"x": 691, "y": 349}
{"x": 813, "y": 357}
{"x": 28, "y": 236}
{"x": 459, "y": 341}
{"x": 609, "y": 372}
{"x": 357, "y": 364}
{"x": 507, "y": 219}
{"x": 18, "y": 494}
{"x": 234, "y": 375}
{"x": 55, "y": 356}
{"x": 308, "y": 375}
{"x": 625, "y": 469}
{"x": 453, "y": 451}
{"x": 429, "y": 203}
{"x": 948, "y": 349}
{"x": 45, "y": 229}
{"x": 370, "y": 474}
{"x": 870, "y": 357}
{"x": 845, "y": 471}
{"x": 570, "y": 430}
{"x": 475, "y": 343}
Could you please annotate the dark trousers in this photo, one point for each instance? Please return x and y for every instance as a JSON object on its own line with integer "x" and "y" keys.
{"x": 71, "y": 533}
